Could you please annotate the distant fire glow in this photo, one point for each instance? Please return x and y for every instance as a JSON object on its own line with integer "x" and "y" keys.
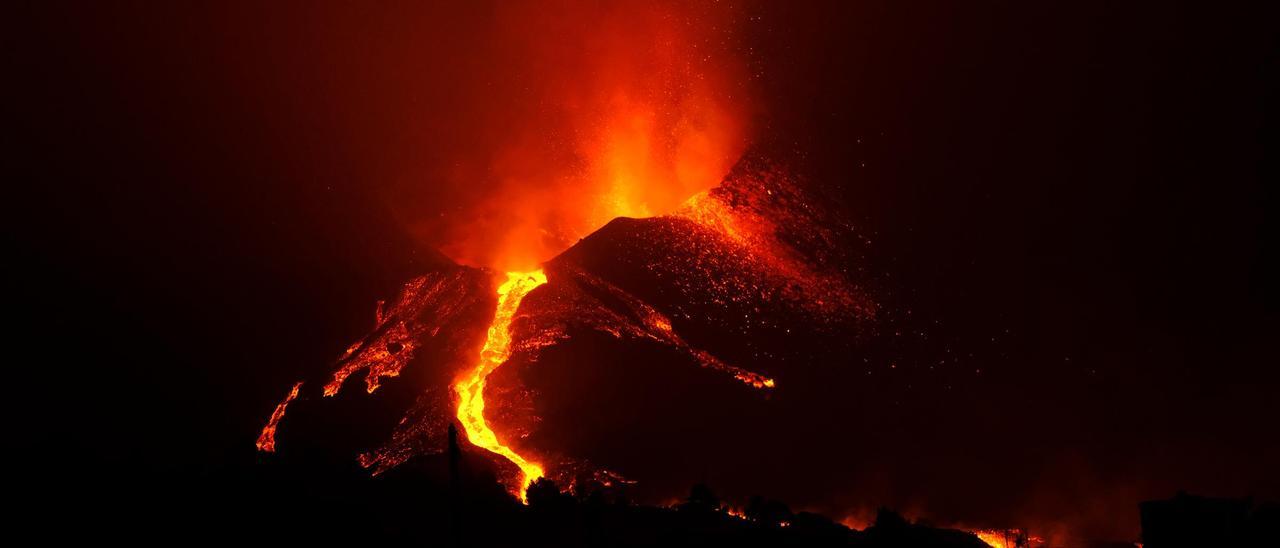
{"x": 1009, "y": 538}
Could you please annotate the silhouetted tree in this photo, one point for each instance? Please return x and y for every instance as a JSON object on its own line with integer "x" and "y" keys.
{"x": 891, "y": 530}
{"x": 455, "y": 481}
{"x": 701, "y": 499}
{"x": 544, "y": 496}
{"x": 768, "y": 512}
{"x": 594, "y": 500}
{"x": 888, "y": 519}
{"x": 820, "y": 526}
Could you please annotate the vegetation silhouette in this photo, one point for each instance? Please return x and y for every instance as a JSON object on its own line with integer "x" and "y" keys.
{"x": 1188, "y": 520}
{"x": 454, "y": 499}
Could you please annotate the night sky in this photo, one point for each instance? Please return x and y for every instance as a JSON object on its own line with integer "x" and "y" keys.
{"x": 205, "y": 202}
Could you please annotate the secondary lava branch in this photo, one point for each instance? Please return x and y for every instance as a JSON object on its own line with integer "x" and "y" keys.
{"x": 497, "y": 347}
{"x": 267, "y": 440}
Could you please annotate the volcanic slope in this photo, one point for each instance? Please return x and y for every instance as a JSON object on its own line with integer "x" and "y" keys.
{"x": 698, "y": 314}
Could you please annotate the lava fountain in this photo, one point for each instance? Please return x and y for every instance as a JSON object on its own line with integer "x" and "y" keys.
{"x": 496, "y": 350}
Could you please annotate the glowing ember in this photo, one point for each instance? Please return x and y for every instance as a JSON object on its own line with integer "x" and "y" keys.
{"x": 497, "y": 347}
{"x": 1007, "y": 538}
{"x": 995, "y": 539}
{"x": 267, "y": 440}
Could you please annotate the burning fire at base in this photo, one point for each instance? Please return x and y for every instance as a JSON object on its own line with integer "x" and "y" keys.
{"x": 1008, "y": 538}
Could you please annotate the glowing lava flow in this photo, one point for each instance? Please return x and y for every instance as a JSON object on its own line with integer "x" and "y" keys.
{"x": 1007, "y": 538}
{"x": 497, "y": 347}
{"x": 267, "y": 440}
{"x": 995, "y": 539}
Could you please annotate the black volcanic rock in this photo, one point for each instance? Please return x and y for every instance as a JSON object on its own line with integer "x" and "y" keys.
{"x": 420, "y": 340}
{"x": 756, "y": 271}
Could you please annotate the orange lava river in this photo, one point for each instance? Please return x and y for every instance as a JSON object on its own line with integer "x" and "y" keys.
{"x": 497, "y": 347}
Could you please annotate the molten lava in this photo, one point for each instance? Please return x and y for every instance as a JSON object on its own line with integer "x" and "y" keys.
{"x": 995, "y": 539}
{"x": 496, "y": 350}
{"x": 267, "y": 440}
{"x": 1007, "y": 538}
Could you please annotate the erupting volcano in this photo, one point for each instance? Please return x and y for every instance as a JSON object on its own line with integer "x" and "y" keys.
{"x": 857, "y": 274}
{"x": 754, "y": 243}
{"x": 618, "y": 215}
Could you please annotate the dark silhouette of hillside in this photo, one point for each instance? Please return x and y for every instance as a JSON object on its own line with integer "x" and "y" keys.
{"x": 451, "y": 499}
{"x": 1189, "y": 520}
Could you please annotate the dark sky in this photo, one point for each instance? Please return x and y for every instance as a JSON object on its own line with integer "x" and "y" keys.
{"x": 201, "y": 204}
